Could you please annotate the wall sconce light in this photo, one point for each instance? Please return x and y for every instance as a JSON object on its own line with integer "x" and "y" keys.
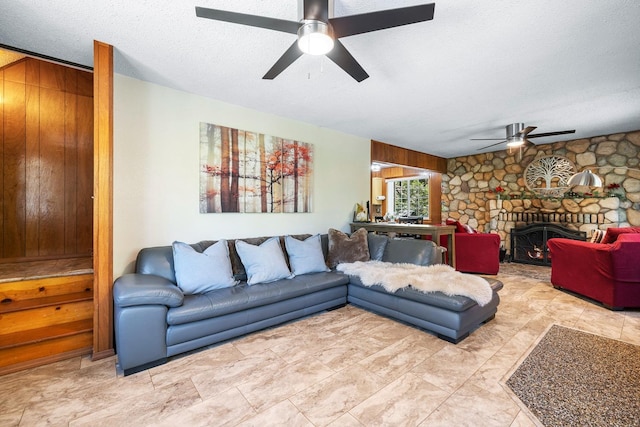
{"x": 376, "y": 191}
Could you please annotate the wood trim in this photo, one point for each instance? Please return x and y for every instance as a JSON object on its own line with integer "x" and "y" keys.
{"x": 102, "y": 355}
{"x": 2, "y": 162}
{"x": 387, "y": 153}
{"x": 435, "y": 198}
{"x": 103, "y": 200}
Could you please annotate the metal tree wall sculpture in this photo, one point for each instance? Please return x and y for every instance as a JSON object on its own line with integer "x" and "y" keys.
{"x": 548, "y": 175}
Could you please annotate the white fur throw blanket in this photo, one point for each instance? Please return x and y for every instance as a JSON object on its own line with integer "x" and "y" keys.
{"x": 437, "y": 277}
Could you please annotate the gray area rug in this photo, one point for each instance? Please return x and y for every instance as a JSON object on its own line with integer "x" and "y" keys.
{"x": 539, "y": 272}
{"x": 573, "y": 378}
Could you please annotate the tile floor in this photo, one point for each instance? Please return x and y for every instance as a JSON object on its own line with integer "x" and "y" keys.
{"x": 346, "y": 367}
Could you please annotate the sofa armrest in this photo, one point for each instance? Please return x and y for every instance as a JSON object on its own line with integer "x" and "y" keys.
{"x": 146, "y": 289}
{"x": 625, "y": 258}
{"x": 575, "y": 261}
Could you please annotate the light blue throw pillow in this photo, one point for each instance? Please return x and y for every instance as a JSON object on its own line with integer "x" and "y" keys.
{"x": 264, "y": 263}
{"x": 197, "y": 272}
{"x": 305, "y": 256}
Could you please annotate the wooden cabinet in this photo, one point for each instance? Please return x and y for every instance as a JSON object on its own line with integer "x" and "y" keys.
{"x": 45, "y": 320}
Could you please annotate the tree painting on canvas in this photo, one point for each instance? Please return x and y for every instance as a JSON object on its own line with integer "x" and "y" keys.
{"x": 242, "y": 171}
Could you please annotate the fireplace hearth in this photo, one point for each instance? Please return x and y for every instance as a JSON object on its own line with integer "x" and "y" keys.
{"x": 529, "y": 243}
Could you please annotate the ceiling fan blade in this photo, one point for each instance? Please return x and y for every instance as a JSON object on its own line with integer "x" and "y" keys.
{"x": 363, "y": 23}
{"x": 285, "y": 60}
{"x": 341, "y": 56}
{"x": 562, "y": 132}
{"x": 251, "y": 20}
{"x": 492, "y": 145}
{"x": 526, "y": 130}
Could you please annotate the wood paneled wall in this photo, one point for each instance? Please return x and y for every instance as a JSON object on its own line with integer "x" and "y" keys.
{"x": 387, "y": 153}
{"x": 46, "y": 158}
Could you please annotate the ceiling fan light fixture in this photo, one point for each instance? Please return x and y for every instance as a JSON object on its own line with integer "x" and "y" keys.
{"x": 516, "y": 141}
{"x": 315, "y": 37}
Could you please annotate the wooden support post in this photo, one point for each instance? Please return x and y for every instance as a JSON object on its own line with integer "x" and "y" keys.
{"x": 103, "y": 200}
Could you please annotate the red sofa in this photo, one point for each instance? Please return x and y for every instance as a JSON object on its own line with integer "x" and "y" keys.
{"x": 475, "y": 252}
{"x": 606, "y": 272}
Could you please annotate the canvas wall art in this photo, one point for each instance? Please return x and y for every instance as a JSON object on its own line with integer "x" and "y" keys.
{"x": 242, "y": 171}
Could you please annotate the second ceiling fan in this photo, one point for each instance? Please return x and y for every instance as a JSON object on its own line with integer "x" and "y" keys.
{"x": 318, "y": 30}
{"x": 518, "y": 135}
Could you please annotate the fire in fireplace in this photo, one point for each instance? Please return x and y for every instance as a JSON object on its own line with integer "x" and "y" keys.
{"x": 529, "y": 243}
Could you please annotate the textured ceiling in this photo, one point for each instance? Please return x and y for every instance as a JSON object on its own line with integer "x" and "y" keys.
{"x": 478, "y": 66}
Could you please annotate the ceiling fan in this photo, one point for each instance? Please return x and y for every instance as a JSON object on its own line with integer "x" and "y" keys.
{"x": 318, "y": 30}
{"x": 518, "y": 135}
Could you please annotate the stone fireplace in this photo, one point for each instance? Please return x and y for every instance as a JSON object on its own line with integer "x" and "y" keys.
{"x": 529, "y": 243}
{"x": 571, "y": 217}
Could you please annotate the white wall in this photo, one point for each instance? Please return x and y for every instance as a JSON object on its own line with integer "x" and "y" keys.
{"x": 156, "y": 176}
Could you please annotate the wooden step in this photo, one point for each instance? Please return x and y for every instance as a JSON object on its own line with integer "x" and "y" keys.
{"x": 13, "y": 359}
{"x": 44, "y": 287}
{"x": 43, "y": 334}
{"x": 28, "y": 304}
{"x": 44, "y": 320}
{"x": 48, "y": 315}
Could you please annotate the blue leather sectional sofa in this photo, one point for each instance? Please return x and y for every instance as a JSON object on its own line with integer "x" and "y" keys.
{"x": 155, "y": 320}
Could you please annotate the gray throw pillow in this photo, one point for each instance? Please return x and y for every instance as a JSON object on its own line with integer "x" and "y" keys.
{"x": 305, "y": 256}
{"x": 377, "y": 243}
{"x": 344, "y": 248}
{"x": 202, "y": 272}
{"x": 412, "y": 251}
{"x": 264, "y": 263}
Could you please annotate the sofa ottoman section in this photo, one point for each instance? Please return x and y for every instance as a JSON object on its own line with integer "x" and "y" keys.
{"x": 452, "y": 318}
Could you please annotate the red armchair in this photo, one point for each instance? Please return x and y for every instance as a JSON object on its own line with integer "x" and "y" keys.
{"x": 606, "y": 272}
{"x": 475, "y": 252}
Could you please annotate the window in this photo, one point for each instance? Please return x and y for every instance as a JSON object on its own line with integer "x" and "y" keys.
{"x": 408, "y": 196}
